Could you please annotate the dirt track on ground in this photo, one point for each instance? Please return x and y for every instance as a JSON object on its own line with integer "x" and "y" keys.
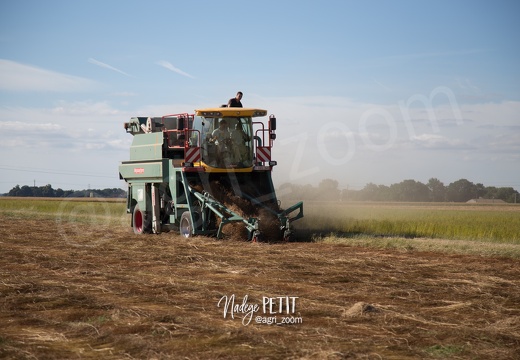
{"x": 68, "y": 293}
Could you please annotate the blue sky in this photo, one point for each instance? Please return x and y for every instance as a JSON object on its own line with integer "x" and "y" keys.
{"x": 364, "y": 91}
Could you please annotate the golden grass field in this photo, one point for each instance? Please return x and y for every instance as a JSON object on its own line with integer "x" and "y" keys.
{"x": 76, "y": 283}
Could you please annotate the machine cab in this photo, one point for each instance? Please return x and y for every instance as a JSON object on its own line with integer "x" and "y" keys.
{"x": 227, "y": 140}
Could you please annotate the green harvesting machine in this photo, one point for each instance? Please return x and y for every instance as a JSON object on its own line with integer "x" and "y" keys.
{"x": 197, "y": 173}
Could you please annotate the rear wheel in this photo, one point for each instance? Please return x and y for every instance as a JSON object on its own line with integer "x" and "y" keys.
{"x": 256, "y": 237}
{"x": 186, "y": 225}
{"x": 141, "y": 222}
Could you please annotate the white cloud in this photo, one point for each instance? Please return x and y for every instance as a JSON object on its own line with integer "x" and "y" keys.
{"x": 169, "y": 66}
{"x": 125, "y": 94}
{"x": 504, "y": 113}
{"x": 106, "y": 66}
{"x": 506, "y": 143}
{"x": 70, "y": 125}
{"x": 434, "y": 141}
{"x": 121, "y": 144}
{"x": 13, "y": 142}
{"x": 19, "y": 77}
{"x": 94, "y": 110}
{"x": 19, "y": 126}
{"x": 406, "y": 58}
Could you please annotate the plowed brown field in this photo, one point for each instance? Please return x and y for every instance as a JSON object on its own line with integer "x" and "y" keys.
{"x": 88, "y": 293}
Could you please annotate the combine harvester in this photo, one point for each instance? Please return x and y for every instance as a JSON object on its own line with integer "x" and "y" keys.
{"x": 199, "y": 172}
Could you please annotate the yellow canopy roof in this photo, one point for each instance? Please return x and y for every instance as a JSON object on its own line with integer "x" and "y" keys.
{"x": 233, "y": 111}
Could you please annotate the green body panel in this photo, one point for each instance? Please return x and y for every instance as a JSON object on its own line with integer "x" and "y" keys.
{"x": 147, "y": 146}
{"x": 145, "y": 171}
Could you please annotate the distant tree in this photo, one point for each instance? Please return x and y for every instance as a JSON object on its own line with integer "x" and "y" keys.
{"x": 48, "y": 191}
{"x": 507, "y": 194}
{"x": 410, "y": 190}
{"x": 373, "y": 192}
{"x": 491, "y": 192}
{"x": 328, "y": 190}
{"x": 437, "y": 190}
{"x": 108, "y": 193}
{"x": 36, "y": 191}
{"x": 461, "y": 191}
{"x": 504, "y": 193}
{"x": 14, "y": 191}
{"x": 370, "y": 192}
{"x": 480, "y": 190}
{"x": 25, "y": 191}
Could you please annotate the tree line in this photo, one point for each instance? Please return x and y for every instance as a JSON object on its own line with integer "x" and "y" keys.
{"x": 48, "y": 191}
{"x": 328, "y": 190}
{"x": 408, "y": 190}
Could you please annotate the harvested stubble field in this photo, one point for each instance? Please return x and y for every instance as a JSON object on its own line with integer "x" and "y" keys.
{"x": 77, "y": 284}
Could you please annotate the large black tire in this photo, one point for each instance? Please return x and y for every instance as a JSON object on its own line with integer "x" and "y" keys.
{"x": 186, "y": 225}
{"x": 141, "y": 222}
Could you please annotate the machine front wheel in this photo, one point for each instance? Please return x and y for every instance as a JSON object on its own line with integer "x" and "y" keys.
{"x": 186, "y": 225}
{"x": 140, "y": 222}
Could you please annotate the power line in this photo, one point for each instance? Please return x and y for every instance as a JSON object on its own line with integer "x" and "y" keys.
{"x": 55, "y": 172}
